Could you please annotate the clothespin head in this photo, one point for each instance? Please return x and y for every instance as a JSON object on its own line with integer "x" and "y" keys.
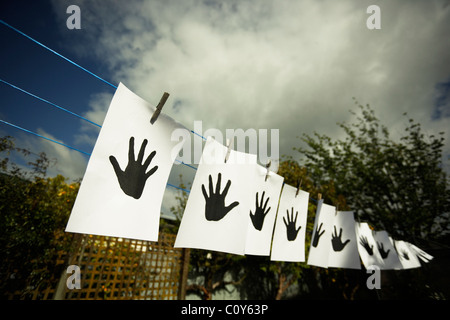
{"x": 319, "y": 196}
{"x": 159, "y": 107}
{"x": 229, "y": 147}
{"x": 299, "y": 184}
{"x": 267, "y": 167}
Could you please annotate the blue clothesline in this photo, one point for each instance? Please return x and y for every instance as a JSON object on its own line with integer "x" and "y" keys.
{"x": 50, "y": 103}
{"x": 41, "y": 136}
{"x": 68, "y": 60}
{"x": 81, "y": 151}
{"x": 64, "y": 109}
{"x": 68, "y": 111}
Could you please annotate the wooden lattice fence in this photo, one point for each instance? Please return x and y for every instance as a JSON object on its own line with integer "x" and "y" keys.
{"x": 117, "y": 268}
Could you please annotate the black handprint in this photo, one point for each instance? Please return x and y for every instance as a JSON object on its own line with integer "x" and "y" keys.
{"x": 337, "y": 242}
{"x": 404, "y": 255}
{"x": 363, "y": 241}
{"x": 132, "y": 180}
{"x": 290, "y": 225}
{"x": 215, "y": 203}
{"x": 384, "y": 254}
{"x": 317, "y": 235}
{"x": 260, "y": 212}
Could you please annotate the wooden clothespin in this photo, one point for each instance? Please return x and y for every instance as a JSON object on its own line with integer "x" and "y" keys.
{"x": 319, "y": 196}
{"x": 299, "y": 184}
{"x": 159, "y": 107}
{"x": 267, "y": 167}
{"x": 229, "y": 147}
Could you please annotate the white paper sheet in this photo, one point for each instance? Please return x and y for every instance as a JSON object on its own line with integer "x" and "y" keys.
{"x": 124, "y": 183}
{"x": 216, "y": 216}
{"x": 263, "y": 211}
{"x": 387, "y": 251}
{"x": 321, "y": 238}
{"x": 290, "y": 227}
{"x": 367, "y": 246}
{"x": 344, "y": 250}
{"x": 407, "y": 256}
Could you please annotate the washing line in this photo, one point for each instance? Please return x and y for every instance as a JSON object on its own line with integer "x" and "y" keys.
{"x": 43, "y": 137}
{"x": 70, "y": 112}
{"x": 49, "y": 102}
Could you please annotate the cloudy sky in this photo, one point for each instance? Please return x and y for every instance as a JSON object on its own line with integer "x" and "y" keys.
{"x": 291, "y": 65}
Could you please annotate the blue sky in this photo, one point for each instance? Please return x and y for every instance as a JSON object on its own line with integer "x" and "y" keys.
{"x": 289, "y": 65}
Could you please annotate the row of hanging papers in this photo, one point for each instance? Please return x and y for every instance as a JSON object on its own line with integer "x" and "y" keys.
{"x": 235, "y": 205}
{"x": 121, "y": 195}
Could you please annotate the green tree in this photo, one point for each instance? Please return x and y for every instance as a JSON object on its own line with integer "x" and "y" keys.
{"x": 397, "y": 185}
